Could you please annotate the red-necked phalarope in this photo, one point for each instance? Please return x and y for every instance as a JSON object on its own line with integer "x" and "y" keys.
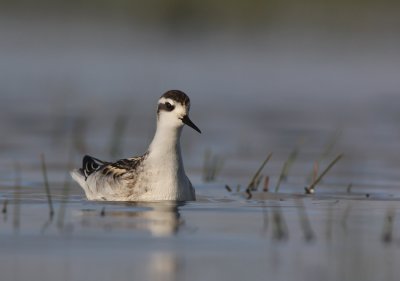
{"x": 156, "y": 175}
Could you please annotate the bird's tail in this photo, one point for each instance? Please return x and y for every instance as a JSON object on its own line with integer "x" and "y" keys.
{"x": 79, "y": 177}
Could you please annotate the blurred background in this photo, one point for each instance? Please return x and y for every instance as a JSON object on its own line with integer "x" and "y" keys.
{"x": 305, "y": 80}
{"x": 261, "y": 74}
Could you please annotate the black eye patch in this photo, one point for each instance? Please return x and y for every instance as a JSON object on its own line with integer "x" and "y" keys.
{"x": 165, "y": 106}
{"x": 169, "y": 106}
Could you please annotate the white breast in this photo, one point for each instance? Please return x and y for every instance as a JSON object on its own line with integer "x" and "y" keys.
{"x": 164, "y": 180}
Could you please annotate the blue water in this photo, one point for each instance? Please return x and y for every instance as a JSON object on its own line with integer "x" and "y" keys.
{"x": 63, "y": 86}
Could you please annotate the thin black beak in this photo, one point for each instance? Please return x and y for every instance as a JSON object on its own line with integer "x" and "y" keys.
{"x": 186, "y": 120}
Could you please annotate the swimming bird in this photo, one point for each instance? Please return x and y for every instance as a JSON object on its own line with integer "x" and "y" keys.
{"x": 156, "y": 175}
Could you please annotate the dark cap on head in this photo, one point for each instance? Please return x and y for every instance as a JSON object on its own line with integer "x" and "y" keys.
{"x": 177, "y": 96}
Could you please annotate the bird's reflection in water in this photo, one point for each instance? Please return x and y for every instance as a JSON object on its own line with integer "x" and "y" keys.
{"x": 159, "y": 218}
{"x": 165, "y": 266}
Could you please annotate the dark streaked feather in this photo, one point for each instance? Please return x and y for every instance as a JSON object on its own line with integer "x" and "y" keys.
{"x": 90, "y": 165}
{"x": 115, "y": 170}
{"x": 121, "y": 167}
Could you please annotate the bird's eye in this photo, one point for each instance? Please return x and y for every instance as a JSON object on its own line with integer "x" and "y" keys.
{"x": 169, "y": 106}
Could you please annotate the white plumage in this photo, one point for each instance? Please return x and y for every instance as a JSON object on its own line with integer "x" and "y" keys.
{"x": 156, "y": 175}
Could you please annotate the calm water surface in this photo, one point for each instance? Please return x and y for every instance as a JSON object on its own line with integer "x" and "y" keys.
{"x": 95, "y": 92}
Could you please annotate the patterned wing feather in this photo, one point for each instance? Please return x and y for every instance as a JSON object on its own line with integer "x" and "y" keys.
{"x": 91, "y": 165}
{"x": 111, "y": 181}
{"x": 121, "y": 167}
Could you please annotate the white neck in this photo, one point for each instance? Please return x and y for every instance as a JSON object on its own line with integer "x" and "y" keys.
{"x": 165, "y": 146}
{"x": 165, "y": 174}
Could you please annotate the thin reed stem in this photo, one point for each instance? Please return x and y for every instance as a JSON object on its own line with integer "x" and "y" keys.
{"x": 311, "y": 188}
{"x": 17, "y": 210}
{"x": 65, "y": 191}
{"x": 46, "y": 185}
{"x": 286, "y": 167}
{"x": 256, "y": 175}
{"x": 228, "y": 188}
{"x": 266, "y": 184}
